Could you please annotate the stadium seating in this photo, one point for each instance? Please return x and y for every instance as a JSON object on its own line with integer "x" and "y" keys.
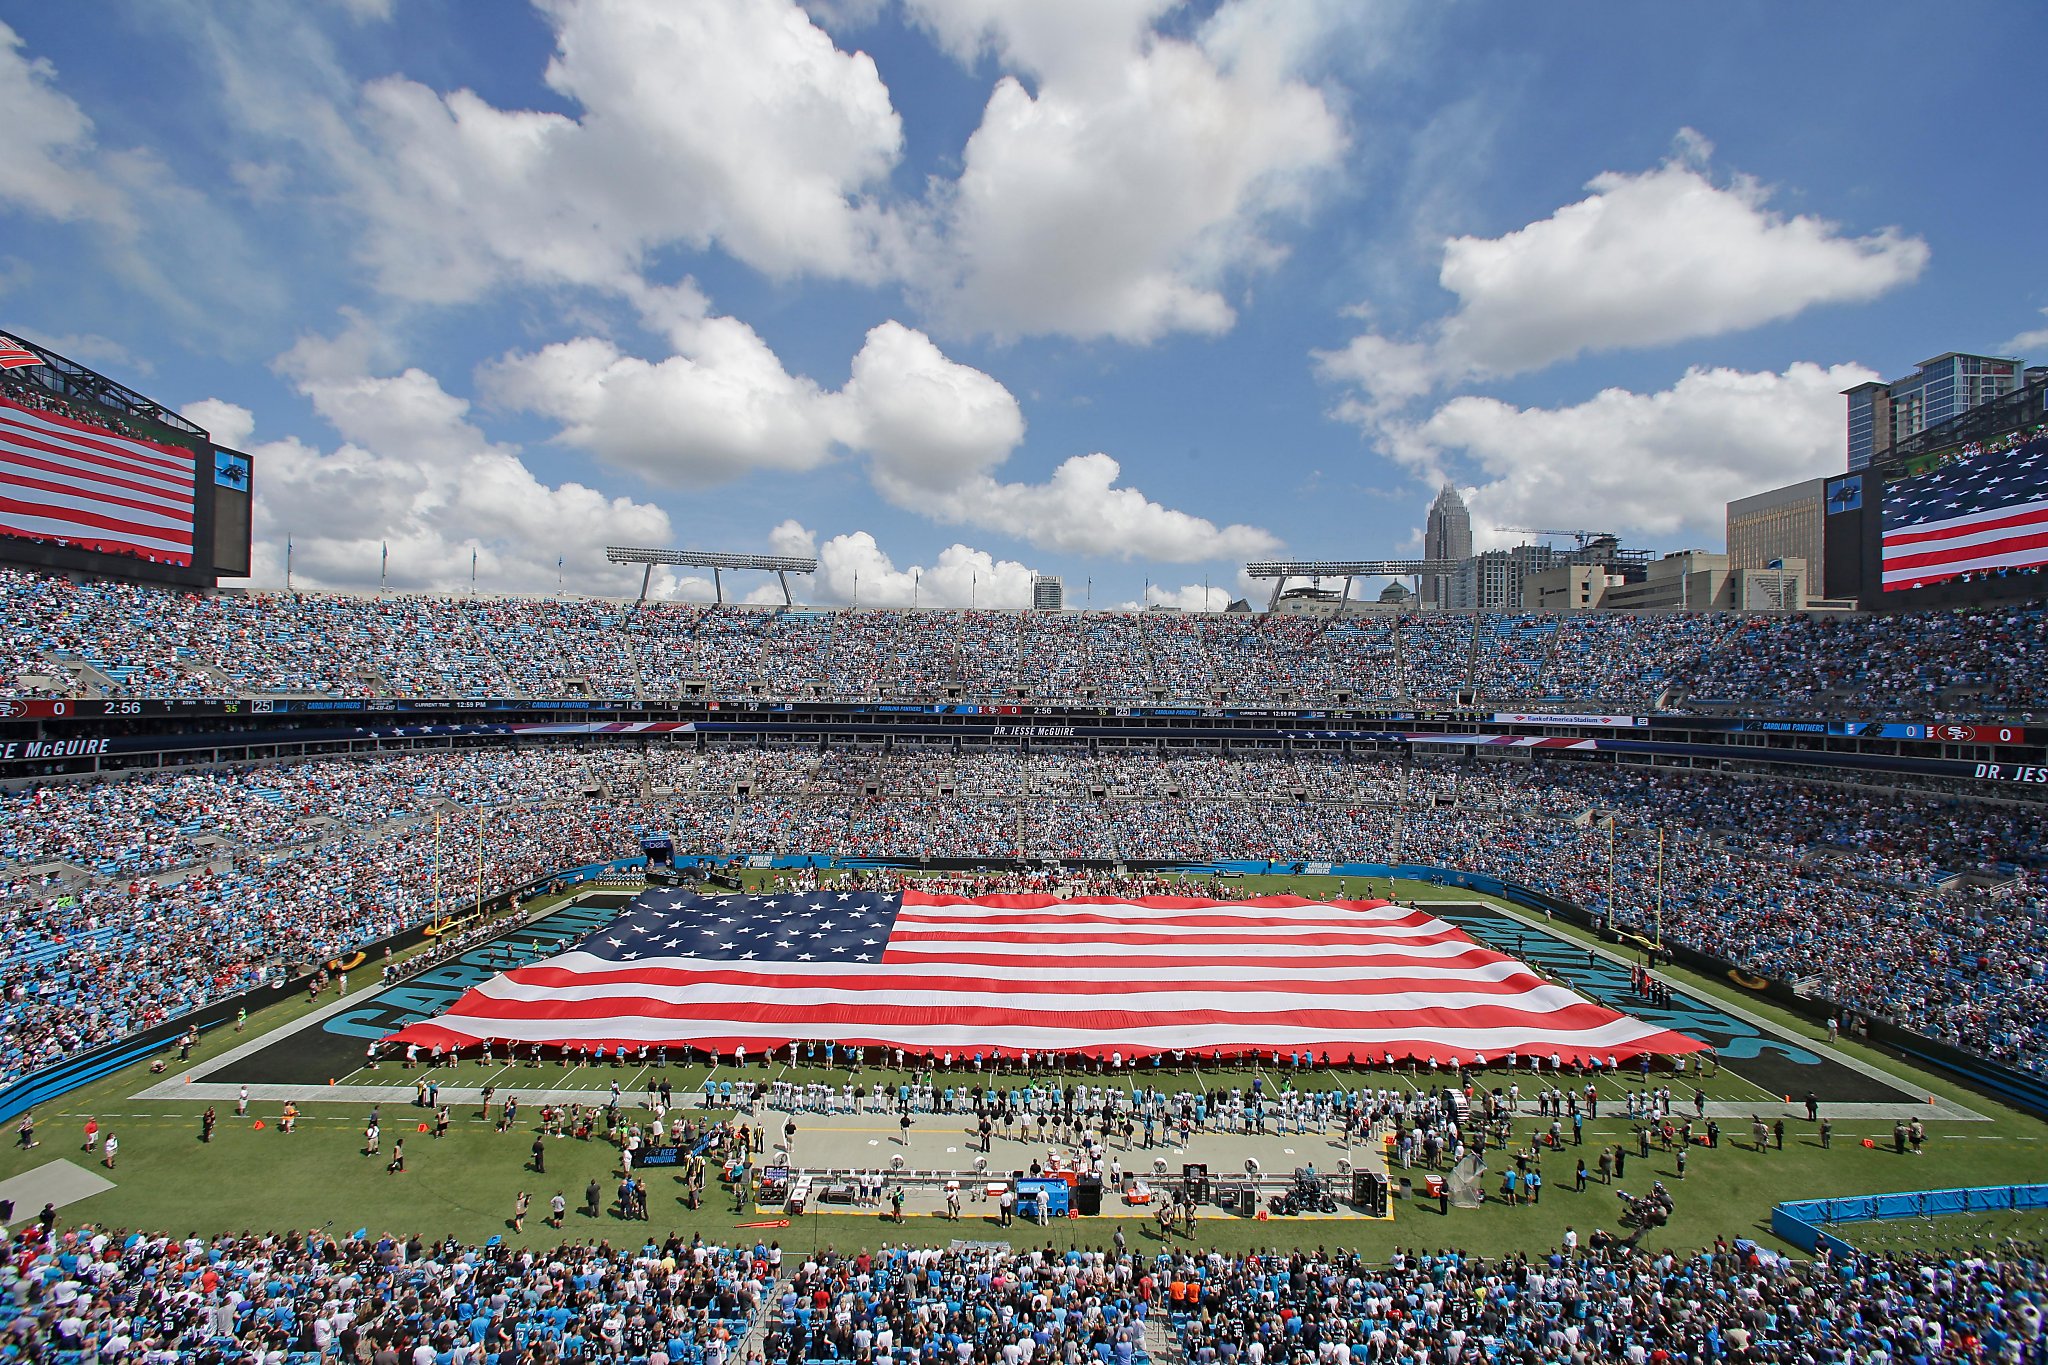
{"x": 111, "y": 640}
{"x": 93, "y": 1294}
{"x": 131, "y": 901}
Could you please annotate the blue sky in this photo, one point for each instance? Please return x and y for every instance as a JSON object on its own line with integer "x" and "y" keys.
{"x": 949, "y": 291}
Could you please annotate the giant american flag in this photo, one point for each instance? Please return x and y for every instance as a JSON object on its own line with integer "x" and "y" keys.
{"x": 1092, "y": 975}
{"x": 1984, "y": 511}
{"x": 90, "y": 487}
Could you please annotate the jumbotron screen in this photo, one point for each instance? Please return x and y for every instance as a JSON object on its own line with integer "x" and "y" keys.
{"x": 70, "y": 480}
{"x": 1977, "y": 513}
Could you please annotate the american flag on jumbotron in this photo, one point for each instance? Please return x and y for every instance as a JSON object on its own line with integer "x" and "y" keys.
{"x": 93, "y": 488}
{"x": 1974, "y": 513}
{"x": 1092, "y": 975}
{"x": 14, "y": 355}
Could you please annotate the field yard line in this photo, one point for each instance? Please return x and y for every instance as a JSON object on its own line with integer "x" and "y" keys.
{"x": 491, "y": 1079}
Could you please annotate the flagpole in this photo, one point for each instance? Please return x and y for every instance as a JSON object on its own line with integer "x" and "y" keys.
{"x": 478, "y": 895}
{"x": 1610, "y": 871}
{"x": 1660, "y": 886}
{"x": 287, "y": 562}
{"x": 383, "y": 567}
{"x": 435, "y": 915}
{"x": 472, "y": 571}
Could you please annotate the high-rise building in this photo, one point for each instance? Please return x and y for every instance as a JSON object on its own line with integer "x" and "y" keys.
{"x": 1492, "y": 581}
{"x": 1447, "y": 535}
{"x": 1048, "y": 592}
{"x": 1882, "y": 415}
{"x": 1784, "y": 523}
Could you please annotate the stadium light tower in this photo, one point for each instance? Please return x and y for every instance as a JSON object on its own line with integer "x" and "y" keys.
{"x": 780, "y": 565}
{"x": 1281, "y": 570}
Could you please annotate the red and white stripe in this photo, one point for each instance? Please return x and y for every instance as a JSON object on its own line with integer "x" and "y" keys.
{"x": 1093, "y": 976}
{"x": 97, "y": 489}
{"x": 1995, "y": 538}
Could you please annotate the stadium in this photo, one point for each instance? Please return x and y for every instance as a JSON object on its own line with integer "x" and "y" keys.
{"x": 333, "y": 871}
{"x": 1570, "y": 954}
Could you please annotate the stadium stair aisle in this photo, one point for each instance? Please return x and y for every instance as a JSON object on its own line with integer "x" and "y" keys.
{"x": 1162, "y": 1343}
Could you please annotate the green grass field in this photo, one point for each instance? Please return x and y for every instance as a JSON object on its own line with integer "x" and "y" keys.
{"x": 465, "y": 1184}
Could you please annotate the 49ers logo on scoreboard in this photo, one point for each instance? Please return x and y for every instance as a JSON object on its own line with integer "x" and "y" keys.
{"x": 1977, "y": 734}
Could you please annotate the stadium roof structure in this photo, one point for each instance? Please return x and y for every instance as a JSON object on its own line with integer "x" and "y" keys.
{"x": 717, "y": 561}
{"x": 1280, "y": 570}
{"x": 70, "y": 379}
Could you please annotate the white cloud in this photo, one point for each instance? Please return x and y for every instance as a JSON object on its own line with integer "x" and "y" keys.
{"x": 933, "y": 430}
{"x": 2035, "y": 340}
{"x": 929, "y": 424}
{"x": 1657, "y": 465}
{"x": 364, "y": 11}
{"x": 1644, "y": 260}
{"x": 229, "y": 424}
{"x": 853, "y": 569}
{"x": 734, "y": 123}
{"x": 1130, "y": 183}
{"x": 1188, "y": 597}
{"x": 414, "y": 473}
{"x": 722, "y": 408}
{"x": 47, "y": 159}
{"x": 792, "y": 539}
{"x": 166, "y": 239}
{"x": 1080, "y": 510}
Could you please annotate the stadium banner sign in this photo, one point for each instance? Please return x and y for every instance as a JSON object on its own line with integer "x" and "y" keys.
{"x": 1505, "y": 741}
{"x": 1566, "y": 718}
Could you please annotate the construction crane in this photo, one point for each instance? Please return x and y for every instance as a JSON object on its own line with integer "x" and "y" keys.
{"x": 1584, "y": 538}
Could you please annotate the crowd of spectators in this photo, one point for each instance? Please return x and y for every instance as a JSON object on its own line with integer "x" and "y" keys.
{"x": 1731, "y": 1303}
{"x": 346, "y": 854}
{"x": 117, "y": 1295}
{"x": 113, "y": 1295}
{"x": 117, "y": 640}
{"x": 129, "y": 902}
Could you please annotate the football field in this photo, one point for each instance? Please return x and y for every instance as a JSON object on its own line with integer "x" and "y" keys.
{"x": 312, "y": 1055}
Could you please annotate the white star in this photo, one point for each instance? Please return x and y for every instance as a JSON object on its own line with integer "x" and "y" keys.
{"x": 846, "y": 895}
{"x": 671, "y": 943}
{"x": 629, "y": 956}
{"x": 616, "y": 942}
{"x": 727, "y": 947}
{"x": 782, "y": 943}
{"x": 817, "y": 936}
{"x": 868, "y": 942}
{"x": 748, "y": 953}
{"x": 803, "y": 957}
{"x": 840, "y": 948}
{"x": 862, "y": 956}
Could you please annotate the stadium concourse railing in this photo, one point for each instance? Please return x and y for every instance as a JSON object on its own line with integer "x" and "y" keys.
{"x": 2023, "y": 1091}
{"x": 1804, "y": 1222}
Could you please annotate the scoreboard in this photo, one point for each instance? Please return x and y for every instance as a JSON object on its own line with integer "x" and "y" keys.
{"x": 97, "y": 479}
